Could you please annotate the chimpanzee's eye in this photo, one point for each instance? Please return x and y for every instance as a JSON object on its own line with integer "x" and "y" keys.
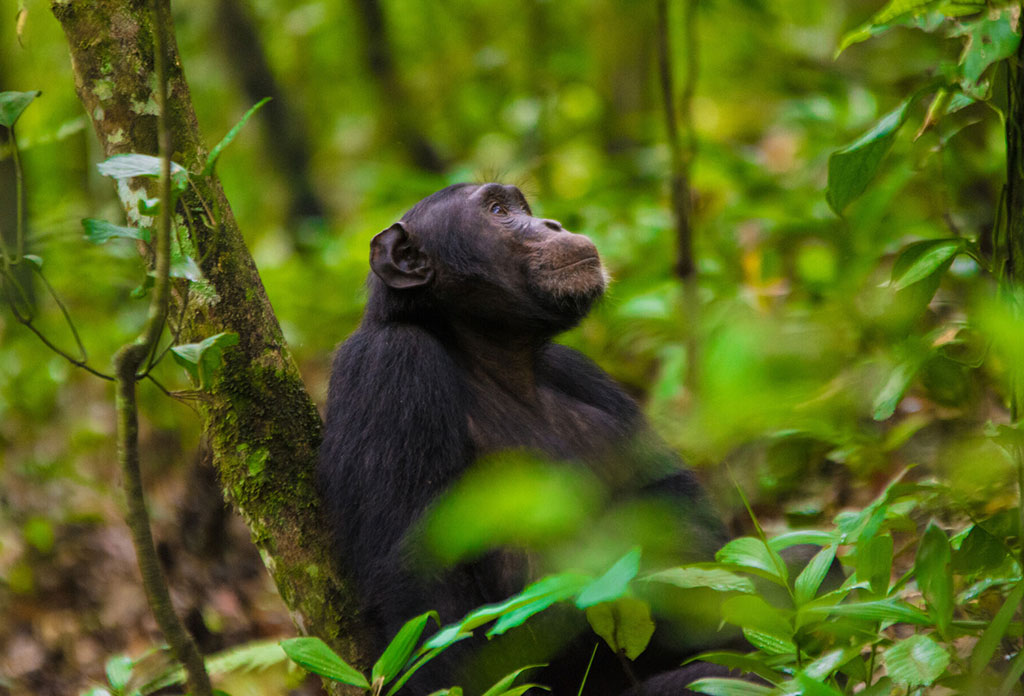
{"x": 498, "y": 209}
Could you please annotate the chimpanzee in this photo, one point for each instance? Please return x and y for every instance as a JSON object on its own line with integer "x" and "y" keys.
{"x": 453, "y": 361}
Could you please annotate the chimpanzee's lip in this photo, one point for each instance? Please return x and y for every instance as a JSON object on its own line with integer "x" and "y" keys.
{"x": 577, "y": 263}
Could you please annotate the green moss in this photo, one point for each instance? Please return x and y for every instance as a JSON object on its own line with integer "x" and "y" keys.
{"x": 257, "y": 462}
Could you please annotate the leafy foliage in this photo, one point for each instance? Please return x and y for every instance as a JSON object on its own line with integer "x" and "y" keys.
{"x": 857, "y": 311}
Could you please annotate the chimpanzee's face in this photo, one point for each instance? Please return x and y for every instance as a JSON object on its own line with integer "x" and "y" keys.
{"x": 481, "y": 255}
{"x": 535, "y": 257}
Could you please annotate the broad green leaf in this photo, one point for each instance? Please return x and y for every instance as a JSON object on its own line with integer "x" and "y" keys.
{"x": 202, "y": 359}
{"x": 806, "y": 536}
{"x": 978, "y": 552}
{"x": 986, "y": 646}
{"x": 716, "y": 578}
{"x": 916, "y": 661}
{"x": 314, "y": 655}
{"x": 806, "y": 585}
{"x": 934, "y": 577}
{"x": 988, "y": 41}
{"x": 750, "y": 552}
{"x": 891, "y": 393}
{"x": 101, "y": 231}
{"x": 770, "y": 643}
{"x": 830, "y": 662}
{"x": 753, "y": 663}
{"x": 613, "y": 584}
{"x": 211, "y": 159}
{"x": 502, "y": 685}
{"x": 919, "y": 260}
{"x": 129, "y": 165}
{"x": 809, "y": 686}
{"x": 873, "y": 561}
{"x": 400, "y": 648}
{"x": 34, "y": 260}
{"x": 625, "y": 624}
{"x": 852, "y": 168}
{"x": 881, "y": 610}
{"x": 12, "y": 104}
{"x": 96, "y": 691}
{"x": 718, "y": 686}
{"x": 119, "y": 671}
{"x": 454, "y": 691}
{"x": 751, "y": 611}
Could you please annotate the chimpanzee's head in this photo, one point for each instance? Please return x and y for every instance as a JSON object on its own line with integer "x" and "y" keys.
{"x": 476, "y": 254}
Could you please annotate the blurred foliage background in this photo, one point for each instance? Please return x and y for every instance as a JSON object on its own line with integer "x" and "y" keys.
{"x": 815, "y": 379}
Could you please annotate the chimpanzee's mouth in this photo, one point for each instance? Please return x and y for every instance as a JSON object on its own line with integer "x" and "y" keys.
{"x": 590, "y": 259}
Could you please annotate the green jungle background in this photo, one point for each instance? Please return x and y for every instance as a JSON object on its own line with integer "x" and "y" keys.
{"x": 823, "y": 356}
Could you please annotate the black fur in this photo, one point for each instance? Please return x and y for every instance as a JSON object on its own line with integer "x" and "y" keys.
{"x": 452, "y": 361}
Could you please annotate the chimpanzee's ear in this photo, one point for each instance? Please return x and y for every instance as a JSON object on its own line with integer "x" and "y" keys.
{"x": 397, "y": 259}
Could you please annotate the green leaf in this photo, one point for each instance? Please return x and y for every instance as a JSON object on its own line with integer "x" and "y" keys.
{"x": 183, "y": 266}
{"x": 211, "y": 159}
{"x": 916, "y": 661}
{"x": 750, "y": 552}
{"x": 904, "y": 12}
{"x": 560, "y": 587}
{"x": 753, "y": 663}
{"x": 934, "y": 577}
{"x": 769, "y": 643}
{"x": 988, "y": 41}
{"x": 119, "y": 671}
{"x": 852, "y": 168}
{"x": 806, "y": 585}
{"x": 517, "y": 617}
{"x": 424, "y": 659}
{"x": 881, "y": 610}
{"x": 986, "y": 646}
{"x": 718, "y": 686}
{"x": 129, "y": 165}
{"x": 891, "y": 393}
{"x": 809, "y": 686}
{"x": 830, "y": 662}
{"x": 34, "y": 260}
{"x": 12, "y": 104}
{"x": 716, "y": 578}
{"x": 873, "y": 561}
{"x": 400, "y": 648}
{"x": 919, "y": 260}
{"x": 101, "y": 231}
{"x": 613, "y": 584}
{"x": 805, "y": 536}
{"x": 502, "y": 685}
{"x": 314, "y": 655}
{"x": 751, "y": 611}
{"x": 202, "y": 359}
{"x": 625, "y": 624}
{"x": 978, "y": 552}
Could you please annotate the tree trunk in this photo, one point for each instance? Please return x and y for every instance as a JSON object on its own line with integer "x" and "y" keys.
{"x": 261, "y": 425}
